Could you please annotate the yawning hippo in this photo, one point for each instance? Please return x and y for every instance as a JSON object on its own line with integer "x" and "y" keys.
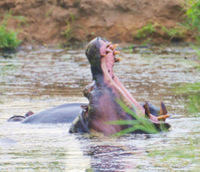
{"x": 105, "y": 92}
{"x": 104, "y": 95}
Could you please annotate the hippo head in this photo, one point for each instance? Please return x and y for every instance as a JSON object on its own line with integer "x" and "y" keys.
{"x": 94, "y": 55}
{"x": 106, "y": 89}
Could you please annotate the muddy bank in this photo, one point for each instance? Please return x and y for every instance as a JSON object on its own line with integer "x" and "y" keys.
{"x": 55, "y": 21}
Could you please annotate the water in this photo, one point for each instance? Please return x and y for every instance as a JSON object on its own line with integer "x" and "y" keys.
{"x": 43, "y": 78}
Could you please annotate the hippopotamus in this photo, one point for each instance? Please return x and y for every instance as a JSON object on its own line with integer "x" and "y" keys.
{"x": 103, "y": 95}
{"x": 106, "y": 91}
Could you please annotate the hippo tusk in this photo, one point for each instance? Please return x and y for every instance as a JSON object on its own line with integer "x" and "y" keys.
{"x": 114, "y": 46}
{"x": 163, "y": 117}
{"x": 116, "y": 52}
{"x": 118, "y": 59}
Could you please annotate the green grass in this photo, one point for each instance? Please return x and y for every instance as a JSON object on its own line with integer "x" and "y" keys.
{"x": 145, "y": 31}
{"x": 141, "y": 123}
{"x": 8, "y": 37}
{"x": 69, "y": 31}
{"x": 190, "y": 25}
{"x": 192, "y": 22}
{"x": 192, "y": 92}
{"x": 176, "y": 32}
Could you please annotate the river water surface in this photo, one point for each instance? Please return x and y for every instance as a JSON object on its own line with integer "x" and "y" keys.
{"x": 45, "y": 77}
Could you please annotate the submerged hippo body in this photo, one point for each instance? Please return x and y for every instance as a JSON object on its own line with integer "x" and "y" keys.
{"x": 65, "y": 113}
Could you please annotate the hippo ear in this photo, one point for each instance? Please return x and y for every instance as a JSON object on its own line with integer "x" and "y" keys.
{"x": 147, "y": 110}
{"x": 163, "y": 109}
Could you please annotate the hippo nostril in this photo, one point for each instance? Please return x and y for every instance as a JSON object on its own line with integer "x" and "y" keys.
{"x": 109, "y": 71}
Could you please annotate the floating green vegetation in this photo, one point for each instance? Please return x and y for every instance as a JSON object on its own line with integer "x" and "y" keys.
{"x": 197, "y": 51}
{"x": 7, "y": 69}
{"x": 8, "y": 37}
{"x": 192, "y": 91}
{"x": 145, "y": 31}
{"x": 185, "y": 155}
{"x": 139, "y": 124}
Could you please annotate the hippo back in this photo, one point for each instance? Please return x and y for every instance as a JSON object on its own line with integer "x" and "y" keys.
{"x": 65, "y": 113}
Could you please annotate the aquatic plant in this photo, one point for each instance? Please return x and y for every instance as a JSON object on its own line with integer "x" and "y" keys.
{"x": 177, "y": 156}
{"x": 192, "y": 92}
{"x": 139, "y": 124}
{"x": 197, "y": 51}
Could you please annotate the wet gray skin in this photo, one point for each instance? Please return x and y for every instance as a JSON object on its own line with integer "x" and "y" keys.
{"x": 39, "y": 79}
{"x": 65, "y": 113}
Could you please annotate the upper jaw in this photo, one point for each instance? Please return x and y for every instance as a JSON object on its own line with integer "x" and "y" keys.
{"x": 107, "y": 53}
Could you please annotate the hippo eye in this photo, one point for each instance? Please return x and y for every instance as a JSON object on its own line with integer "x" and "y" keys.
{"x": 109, "y": 71}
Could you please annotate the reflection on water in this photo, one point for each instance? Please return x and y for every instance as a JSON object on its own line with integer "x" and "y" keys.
{"x": 44, "y": 78}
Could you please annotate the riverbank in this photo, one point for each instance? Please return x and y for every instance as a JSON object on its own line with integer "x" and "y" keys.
{"x": 56, "y": 22}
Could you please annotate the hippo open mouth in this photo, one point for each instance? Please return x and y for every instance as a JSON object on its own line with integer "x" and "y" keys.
{"x": 105, "y": 89}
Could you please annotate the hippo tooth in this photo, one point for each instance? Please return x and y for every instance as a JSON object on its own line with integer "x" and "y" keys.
{"x": 116, "y": 52}
{"x": 163, "y": 112}
{"x": 163, "y": 109}
{"x": 147, "y": 110}
{"x": 117, "y": 59}
{"x": 114, "y": 46}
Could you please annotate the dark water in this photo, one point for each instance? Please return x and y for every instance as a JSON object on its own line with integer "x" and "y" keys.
{"x": 43, "y": 78}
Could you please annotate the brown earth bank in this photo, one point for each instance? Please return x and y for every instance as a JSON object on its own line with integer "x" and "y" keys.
{"x": 61, "y": 21}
